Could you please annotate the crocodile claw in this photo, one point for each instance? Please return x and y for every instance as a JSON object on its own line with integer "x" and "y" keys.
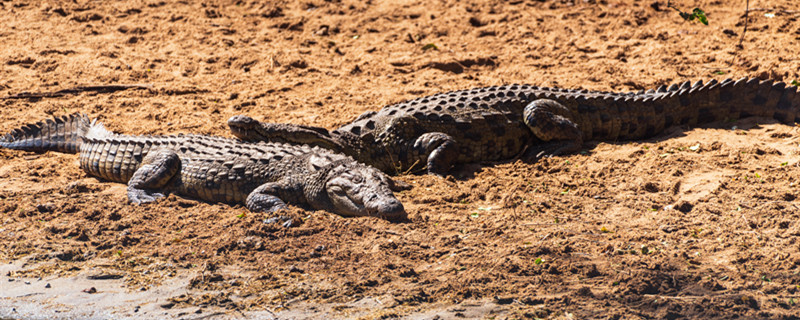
{"x": 139, "y": 196}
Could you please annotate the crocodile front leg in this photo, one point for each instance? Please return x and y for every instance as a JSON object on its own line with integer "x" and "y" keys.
{"x": 551, "y": 122}
{"x": 440, "y": 149}
{"x": 157, "y": 169}
{"x": 267, "y": 197}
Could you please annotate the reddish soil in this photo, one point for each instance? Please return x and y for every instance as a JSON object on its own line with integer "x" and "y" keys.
{"x": 698, "y": 222}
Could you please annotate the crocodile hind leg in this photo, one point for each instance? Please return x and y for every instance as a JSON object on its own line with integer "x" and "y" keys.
{"x": 550, "y": 122}
{"x": 156, "y": 171}
{"x": 441, "y": 151}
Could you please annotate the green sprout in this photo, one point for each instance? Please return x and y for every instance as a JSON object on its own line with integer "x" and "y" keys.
{"x": 696, "y": 13}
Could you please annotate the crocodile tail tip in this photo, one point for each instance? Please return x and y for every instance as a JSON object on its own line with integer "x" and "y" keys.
{"x": 61, "y": 134}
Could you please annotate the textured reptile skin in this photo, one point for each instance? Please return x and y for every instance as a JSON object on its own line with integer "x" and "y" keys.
{"x": 264, "y": 176}
{"x": 502, "y": 122}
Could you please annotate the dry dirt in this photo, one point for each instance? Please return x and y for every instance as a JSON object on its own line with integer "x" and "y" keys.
{"x": 698, "y": 222}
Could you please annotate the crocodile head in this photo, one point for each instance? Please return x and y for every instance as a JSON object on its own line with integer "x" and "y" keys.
{"x": 363, "y": 191}
{"x": 244, "y": 128}
{"x": 349, "y": 188}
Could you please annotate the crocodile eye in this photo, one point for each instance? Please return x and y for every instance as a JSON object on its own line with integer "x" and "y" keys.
{"x": 337, "y": 190}
{"x": 358, "y": 179}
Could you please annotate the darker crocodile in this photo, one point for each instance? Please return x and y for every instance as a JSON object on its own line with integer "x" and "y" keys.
{"x": 263, "y": 176}
{"x": 499, "y": 123}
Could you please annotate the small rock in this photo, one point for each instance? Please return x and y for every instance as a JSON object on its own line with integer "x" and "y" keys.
{"x": 651, "y": 187}
{"x": 45, "y": 208}
{"x": 684, "y": 206}
{"x": 47, "y": 286}
{"x": 585, "y": 292}
{"x": 90, "y": 290}
{"x": 475, "y": 22}
{"x": 104, "y": 277}
{"x": 503, "y": 300}
{"x": 295, "y": 269}
{"x": 669, "y": 228}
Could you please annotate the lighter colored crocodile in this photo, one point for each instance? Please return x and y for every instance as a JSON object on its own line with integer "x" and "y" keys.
{"x": 263, "y": 176}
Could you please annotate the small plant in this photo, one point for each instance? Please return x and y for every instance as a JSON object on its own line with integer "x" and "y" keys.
{"x": 696, "y": 13}
{"x": 429, "y": 47}
{"x": 795, "y": 83}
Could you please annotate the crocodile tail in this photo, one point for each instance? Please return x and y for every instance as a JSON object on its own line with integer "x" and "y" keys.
{"x": 62, "y": 134}
{"x": 765, "y": 98}
{"x": 729, "y": 99}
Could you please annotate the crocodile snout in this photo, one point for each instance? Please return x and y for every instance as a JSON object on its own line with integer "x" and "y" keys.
{"x": 391, "y": 209}
{"x": 240, "y": 121}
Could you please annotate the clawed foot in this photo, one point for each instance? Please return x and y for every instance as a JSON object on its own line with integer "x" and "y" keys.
{"x": 139, "y": 196}
{"x": 397, "y": 185}
{"x": 265, "y": 203}
{"x": 440, "y": 149}
{"x": 286, "y": 222}
{"x": 551, "y": 149}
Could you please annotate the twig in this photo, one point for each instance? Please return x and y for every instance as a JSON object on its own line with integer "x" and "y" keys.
{"x": 746, "y": 12}
{"x": 76, "y": 90}
{"x": 739, "y": 46}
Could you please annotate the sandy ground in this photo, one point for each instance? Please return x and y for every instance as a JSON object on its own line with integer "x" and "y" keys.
{"x": 697, "y": 222}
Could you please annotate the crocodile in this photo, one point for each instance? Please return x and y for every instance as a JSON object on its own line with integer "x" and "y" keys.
{"x": 263, "y": 176}
{"x": 498, "y": 123}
